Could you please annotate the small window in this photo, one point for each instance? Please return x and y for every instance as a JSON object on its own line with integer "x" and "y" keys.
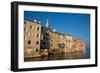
{"x": 38, "y": 29}
{"x": 37, "y": 50}
{"x": 29, "y": 42}
{"x": 30, "y": 27}
{"x": 51, "y": 44}
{"x": 37, "y": 42}
{"x": 44, "y": 43}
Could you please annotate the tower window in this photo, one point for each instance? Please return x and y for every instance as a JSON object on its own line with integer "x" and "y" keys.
{"x": 29, "y": 42}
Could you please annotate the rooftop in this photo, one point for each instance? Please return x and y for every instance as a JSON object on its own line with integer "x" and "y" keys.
{"x": 56, "y": 31}
{"x": 34, "y": 21}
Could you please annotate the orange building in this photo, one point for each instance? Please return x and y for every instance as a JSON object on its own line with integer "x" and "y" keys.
{"x": 78, "y": 45}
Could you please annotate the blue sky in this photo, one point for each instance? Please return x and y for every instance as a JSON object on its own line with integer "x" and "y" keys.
{"x": 78, "y": 25}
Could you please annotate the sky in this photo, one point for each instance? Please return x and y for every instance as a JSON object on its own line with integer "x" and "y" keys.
{"x": 75, "y": 24}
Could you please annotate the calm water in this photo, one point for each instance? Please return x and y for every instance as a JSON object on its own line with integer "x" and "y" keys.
{"x": 64, "y": 56}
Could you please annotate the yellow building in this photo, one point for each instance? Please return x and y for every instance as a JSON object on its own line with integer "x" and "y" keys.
{"x": 60, "y": 42}
{"x": 68, "y": 43}
{"x": 54, "y": 47}
{"x": 32, "y": 33}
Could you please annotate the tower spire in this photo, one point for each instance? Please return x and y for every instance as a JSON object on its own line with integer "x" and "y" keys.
{"x": 47, "y": 23}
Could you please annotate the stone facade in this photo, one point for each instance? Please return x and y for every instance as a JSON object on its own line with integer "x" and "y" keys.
{"x": 54, "y": 42}
{"x": 68, "y": 43}
{"x": 32, "y": 33}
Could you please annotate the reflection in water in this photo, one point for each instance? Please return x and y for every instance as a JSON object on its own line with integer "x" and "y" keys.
{"x": 62, "y": 56}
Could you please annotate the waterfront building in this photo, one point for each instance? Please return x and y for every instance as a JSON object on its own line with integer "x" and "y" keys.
{"x": 78, "y": 45}
{"x": 68, "y": 43}
{"x": 32, "y": 33}
{"x": 54, "y": 42}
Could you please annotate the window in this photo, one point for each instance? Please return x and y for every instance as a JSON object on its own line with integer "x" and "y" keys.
{"x": 37, "y": 42}
{"x": 37, "y": 50}
{"x": 43, "y": 42}
{"x": 51, "y": 44}
{"x": 29, "y": 42}
{"x": 30, "y": 27}
{"x": 38, "y": 29}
